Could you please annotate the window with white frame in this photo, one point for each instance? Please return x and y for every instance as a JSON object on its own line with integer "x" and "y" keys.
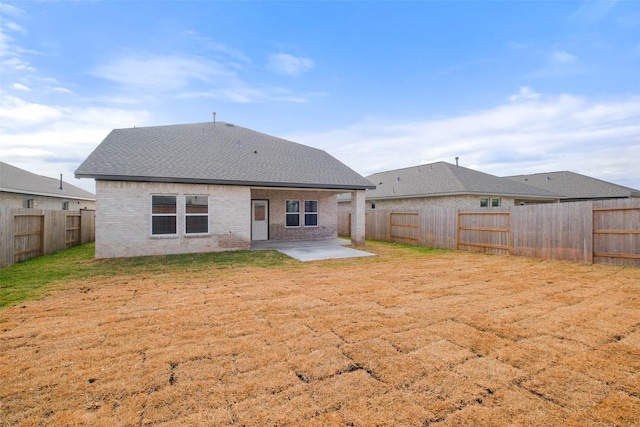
{"x": 310, "y": 213}
{"x": 495, "y": 203}
{"x": 196, "y": 214}
{"x": 484, "y": 202}
{"x": 292, "y": 213}
{"x": 65, "y": 205}
{"x": 164, "y": 214}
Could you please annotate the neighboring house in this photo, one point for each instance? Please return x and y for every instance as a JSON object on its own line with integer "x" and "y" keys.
{"x": 205, "y": 187}
{"x": 442, "y": 184}
{"x": 576, "y": 187}
{"x": 22, "y": 189}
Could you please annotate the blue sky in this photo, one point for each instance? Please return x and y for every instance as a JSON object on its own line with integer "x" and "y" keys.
{"x": 510, "y": 87}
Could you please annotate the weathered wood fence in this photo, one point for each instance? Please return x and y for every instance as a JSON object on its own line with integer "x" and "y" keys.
{"x": 603, "y": 231}
{"x": 28, "y": 233}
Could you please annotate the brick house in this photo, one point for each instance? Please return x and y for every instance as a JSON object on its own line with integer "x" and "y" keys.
{"x": 22, "y": 189}
{"x": 442, "y": 184}
{"x": 205, "y": 187}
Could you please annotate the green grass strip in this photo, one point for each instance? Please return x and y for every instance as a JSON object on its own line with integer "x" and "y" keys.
{"x": 29, "y": 279}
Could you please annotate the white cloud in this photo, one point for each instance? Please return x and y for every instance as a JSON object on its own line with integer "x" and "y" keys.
{"x": 6, "y": 43}
{"x": 17, "y": 64}
{"x": 20, "y": 86}
{"x": 10, "y": 10}
{"x": 18, "y": 113}
{"x": 61, "y": 90}
{"x": 284, "y": 63}
{"x": 15, "y": 27}
{"x": 565, "y": 132}
{"x": 54, "y": 139}
{"x": 160, "y": 73}
{"x": 559, "y": 63}
{"x": 563, "y": 57}
{"x": 220, "y": 48}
{"x": 10, "y": 53}
{"x": 186, "y": 77}
{"x": 525, "y": 94}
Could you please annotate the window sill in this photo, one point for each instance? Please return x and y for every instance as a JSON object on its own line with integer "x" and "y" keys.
{"x": 197, "y": 235}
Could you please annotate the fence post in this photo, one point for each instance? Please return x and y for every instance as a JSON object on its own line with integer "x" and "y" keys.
{"x": 6, "y": 237}
{"x": 458, "y": 225}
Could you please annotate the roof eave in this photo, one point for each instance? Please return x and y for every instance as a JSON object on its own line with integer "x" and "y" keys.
{"x": 40, "y": 193}
{"x": 467, "y": 193}
{"x": 224, "y": 182}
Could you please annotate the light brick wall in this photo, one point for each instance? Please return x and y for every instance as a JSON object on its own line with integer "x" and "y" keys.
{"x": 327, "y": 214}
{"x": 123, "y": 219}
{"x": 430, "y": 202}
{"x": 15, "y": 200}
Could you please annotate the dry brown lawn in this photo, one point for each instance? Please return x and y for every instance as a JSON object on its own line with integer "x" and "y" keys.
{"x": 452, "y": 339}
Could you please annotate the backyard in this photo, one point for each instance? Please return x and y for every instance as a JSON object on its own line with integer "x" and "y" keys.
{"x": 409, "y": 337}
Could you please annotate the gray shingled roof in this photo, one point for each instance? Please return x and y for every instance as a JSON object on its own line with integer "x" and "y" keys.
{"x": 445, "y": 179}
{"x": 575, "y": 186}
{"x": 16, "y": 180}
{"x": 216, "y": 154}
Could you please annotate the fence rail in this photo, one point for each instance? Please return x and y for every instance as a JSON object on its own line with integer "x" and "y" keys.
{"x": 604, "y": 231}
{"x": 28, "y": 233}
{"x": 484, "y": 230}
{"x": 405, "y": 226}
{"x": 614, "y": 233}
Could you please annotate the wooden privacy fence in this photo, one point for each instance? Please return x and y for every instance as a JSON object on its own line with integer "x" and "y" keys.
{"x": 405, "y": 226}
{"x": 616, "y": 233}
{"x": 484, "y": 230}
{"x": 28, "y": 233}
{"x": 604, "y": 231}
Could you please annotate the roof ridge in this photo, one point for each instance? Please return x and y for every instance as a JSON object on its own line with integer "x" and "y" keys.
{"x": 217, "y": 122}
{"x": 450, "y": 167}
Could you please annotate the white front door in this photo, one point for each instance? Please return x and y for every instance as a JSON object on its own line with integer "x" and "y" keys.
{"x": 259, "y": 220}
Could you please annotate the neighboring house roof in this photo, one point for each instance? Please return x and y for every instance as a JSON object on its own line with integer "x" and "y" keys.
{"x": 215, "y": 153}
{"x": 16, "y": 180}
{"x": 445, "y": 179}
{"x": 575, "y": 186}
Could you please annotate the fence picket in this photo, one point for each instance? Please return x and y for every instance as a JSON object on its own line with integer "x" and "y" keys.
{"x": 588, "y": 232}
{"x": 27, "y": 233}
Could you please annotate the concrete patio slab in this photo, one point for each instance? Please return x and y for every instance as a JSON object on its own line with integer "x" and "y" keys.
{"x": 313, "y": 250}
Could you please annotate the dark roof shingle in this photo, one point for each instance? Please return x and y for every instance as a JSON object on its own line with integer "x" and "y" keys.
{"x": 16, "y": 180}
{"x": 219, "y": 153}
{"x": 575, "y": 186}
{"x": 445, "y": 179}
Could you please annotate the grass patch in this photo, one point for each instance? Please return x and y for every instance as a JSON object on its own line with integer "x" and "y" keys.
{"x": 30, "y": 279}
{"x": 400, "y": 250}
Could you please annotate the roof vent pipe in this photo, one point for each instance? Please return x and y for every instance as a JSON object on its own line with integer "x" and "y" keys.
{"x": 214, "y": 118}
{"x": 457, "y": 161}
{"x": 61, "y": 182}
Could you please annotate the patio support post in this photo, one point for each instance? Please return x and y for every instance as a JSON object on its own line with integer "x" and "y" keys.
{"x": 357, "y": 217}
